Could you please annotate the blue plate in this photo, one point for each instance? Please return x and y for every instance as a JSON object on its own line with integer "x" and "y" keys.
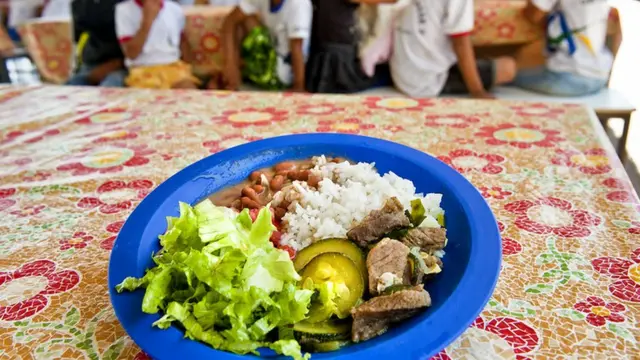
{"x": 459, "y": 293}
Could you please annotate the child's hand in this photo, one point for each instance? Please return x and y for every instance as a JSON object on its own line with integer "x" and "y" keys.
{"x": 482, "y": 95}
{"x": 150, "y": 10}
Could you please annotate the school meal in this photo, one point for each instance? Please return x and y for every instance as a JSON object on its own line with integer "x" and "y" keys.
{"x": 308, "y": 255}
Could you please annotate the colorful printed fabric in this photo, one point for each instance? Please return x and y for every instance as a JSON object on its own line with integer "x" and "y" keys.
{"x": 260, "y": 60}
{"x": 74, "y": 167}
{"x": 160, "y": 76}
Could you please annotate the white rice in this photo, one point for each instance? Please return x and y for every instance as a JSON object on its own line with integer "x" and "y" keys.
{"x": 346, "y": 194}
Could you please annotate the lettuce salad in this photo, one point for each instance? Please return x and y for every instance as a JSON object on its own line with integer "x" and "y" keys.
{"x": 220, "y": 278}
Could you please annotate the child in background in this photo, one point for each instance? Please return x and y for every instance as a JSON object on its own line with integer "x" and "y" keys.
{"x": 433, "y": 53}
{"x": 578, "y": 61}
{"x": 150, "y": 33}
{"x": 334, "y": 65}
{"x": 289, "y": 25}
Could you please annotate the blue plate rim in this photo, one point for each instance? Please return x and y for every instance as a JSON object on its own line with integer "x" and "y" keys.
{"x": 478, "y": 275}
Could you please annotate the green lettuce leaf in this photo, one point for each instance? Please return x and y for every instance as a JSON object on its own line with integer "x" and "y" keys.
{"x": 220, "y": 278}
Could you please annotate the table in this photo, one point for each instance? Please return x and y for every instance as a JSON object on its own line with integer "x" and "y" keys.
{"x": 74, "y": 167}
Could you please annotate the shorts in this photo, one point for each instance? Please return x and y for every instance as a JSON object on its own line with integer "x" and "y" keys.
{"x": 160, "y": 76}
{"x": 545, "y": 81}
{"x": 455, "y": 82}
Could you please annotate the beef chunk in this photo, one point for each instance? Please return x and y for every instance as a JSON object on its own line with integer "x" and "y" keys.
{"x": 388, "y": 256}
{"x": 379, "y": 222}
{"x": 427, "y": 239}
{"x": 374, "y": 316}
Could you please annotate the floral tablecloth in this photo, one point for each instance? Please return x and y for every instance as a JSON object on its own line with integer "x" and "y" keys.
{"x": 74, "y": 167}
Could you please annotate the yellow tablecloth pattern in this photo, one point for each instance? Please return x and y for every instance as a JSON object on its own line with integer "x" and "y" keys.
{"x": 73, "y": 167}
{"x": 498, "y": 22}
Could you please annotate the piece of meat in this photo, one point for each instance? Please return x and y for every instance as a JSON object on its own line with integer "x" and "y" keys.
{"x": 366, "y": 328}
{"x": 374, "y": 316}
{"x": 379, "y": 222}
{"x": 427, "y": 239}
{"x": 388, "y": 256}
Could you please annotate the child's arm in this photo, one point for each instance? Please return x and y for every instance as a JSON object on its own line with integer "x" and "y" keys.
{"x": 458, "y": 24}
{"x": 185, "y": 49}
{"x": 230, "y": 50}
{"x": 132, "y": 41}
{"x": 463, "y": 48}
{"x": 534, "y": 14}
{"x": 297, "y": 63}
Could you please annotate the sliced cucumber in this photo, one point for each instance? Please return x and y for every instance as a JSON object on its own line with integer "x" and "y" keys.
{"x": 329, "y": 346}
{"x": 330, "y": 330}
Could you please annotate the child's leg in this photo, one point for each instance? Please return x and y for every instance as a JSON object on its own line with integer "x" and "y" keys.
{"x": 558, "y": 83}
{"x": 505, "y": 70}
{"x": 492, "y": 72}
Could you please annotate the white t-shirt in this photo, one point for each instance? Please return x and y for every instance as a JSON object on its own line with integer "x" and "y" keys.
{"x": 291, "y": 20}
{"x": 163, "y": 41}
{"x": 422, "y": 50}
{"x": 22, "y": 10}
{"x": 57, "y": 9}
{"x": 577, "y": 30}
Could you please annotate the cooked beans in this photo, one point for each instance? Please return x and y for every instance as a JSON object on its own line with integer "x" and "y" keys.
{"x": 276, "y": 183}
{"x": 255, "y": 176}
{"x": 248, "y": 203}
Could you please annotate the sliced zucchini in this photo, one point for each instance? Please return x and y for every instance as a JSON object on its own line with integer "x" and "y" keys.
{"x": 343, "y": 246}
{"x": 346, "y": 279}
{"x": 416, "y": 271}
{"x": 330, "y": 330}
{"x": 395, "y": 288}
{"x": 329, "y": 346}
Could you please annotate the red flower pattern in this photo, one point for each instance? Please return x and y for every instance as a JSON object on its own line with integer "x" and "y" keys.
{"x": 80, "y": 240}
{"x": 36, "y": 176}
{"x": 5, "y": 202}
{"x": 113, "y": 228}
{"x": 635, "y": 228}
{"x": 108, "y": 159}
{"x": 107, "y": 203}
{"x": 625, "y": 272}
{"x": 464, "y": 161}
{"x": 210, "y": 42}
{"x": 110, "y": 116}
{"x": 551, "y": 215}
{"x": 28, "y": 211}
{"x": 23, "y": 305}
{"x": 346, "y": 126}
{"x": 520, "y": 336}
{"x": 10, "y": 136}
{"x": 521, "y": 136}
{"x": 599, "y": 312}
{"x": 397, "y": 104}
{"x": 318, "y": 109}
{"x": 510, "y": 247}
{"x": 591, "y": 162}
{"x": 506, "y": 30}
{"x": 495, "y": 192}
{"x": 623, "y": 192}
{"x": 538, "y": 109}
{"x": 227, "y": 142}
{"x": 457, "y": 121}
{"x": 251, "y": 117}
